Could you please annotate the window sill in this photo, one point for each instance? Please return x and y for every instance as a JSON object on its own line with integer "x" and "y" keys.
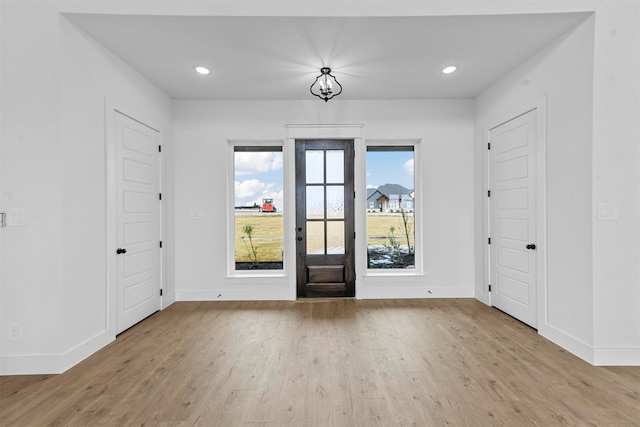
{"x": 242, "y": 274}
{"x": 390, "y": 272}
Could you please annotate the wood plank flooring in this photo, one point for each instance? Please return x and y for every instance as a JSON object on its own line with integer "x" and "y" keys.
{"x": 336, "y": 362}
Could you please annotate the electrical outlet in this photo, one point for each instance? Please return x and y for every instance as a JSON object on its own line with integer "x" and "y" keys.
{"x": 15, "y": 331}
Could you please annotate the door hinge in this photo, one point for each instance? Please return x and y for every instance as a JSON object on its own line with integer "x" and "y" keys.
{"x": 160, "y": 291}
{"x": 159, "y": 148}
{"x": 489, "y": 288}
{"x": 354, "y": 235}
{"x": 488, "y": 146}
{"x": 160, "y": 196}
{"x": 161, "y": 243}
{"x": 488, "y": 193}
{"x": 354, "y": 194}
{"x": 489, "y": 240}
{"x": 3, "y": 219}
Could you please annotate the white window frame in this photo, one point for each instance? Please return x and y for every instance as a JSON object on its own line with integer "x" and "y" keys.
{"x": 230, "y": 207}
{"x": 417, "y": 210}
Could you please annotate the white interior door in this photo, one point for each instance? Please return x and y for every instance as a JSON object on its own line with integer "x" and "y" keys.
{"x": 137, "y": 222}
{"x": 513, "y": 217}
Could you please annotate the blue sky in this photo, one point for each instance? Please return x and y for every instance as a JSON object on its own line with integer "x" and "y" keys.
{"x": 390, "y": 167}
{"x": 258, "y": 175}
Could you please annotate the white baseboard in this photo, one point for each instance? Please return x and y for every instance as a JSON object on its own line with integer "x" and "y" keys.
{"x": 404, "y": 292}
{"x": 31, "y": 364}
{"x": 616, "y": 356}
{"x": 482, "y": 296}
{"x": 168, "y": 299}
{"x": 597, "y": 356}
{"x": 58, "y": 363}
{"x": 233, "y": 295}
{"x": 284, "y": 294}
{"x": 573, "y": 345}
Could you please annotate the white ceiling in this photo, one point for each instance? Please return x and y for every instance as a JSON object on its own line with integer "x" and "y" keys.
{"x": 279, "y": 57}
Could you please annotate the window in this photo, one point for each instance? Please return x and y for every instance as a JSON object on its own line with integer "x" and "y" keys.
{"x": 390, "y": 187}
{"x": 258, "y": 202}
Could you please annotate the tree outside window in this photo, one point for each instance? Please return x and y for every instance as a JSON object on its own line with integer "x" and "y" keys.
{"x": 390, "y": 227}
{"x": 258, "y": 203}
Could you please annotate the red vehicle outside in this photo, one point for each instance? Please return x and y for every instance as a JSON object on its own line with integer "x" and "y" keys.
{"x": 267, "y": 206}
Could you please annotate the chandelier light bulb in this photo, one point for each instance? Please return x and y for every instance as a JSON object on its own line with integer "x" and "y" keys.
{"x": 322, "y": 87}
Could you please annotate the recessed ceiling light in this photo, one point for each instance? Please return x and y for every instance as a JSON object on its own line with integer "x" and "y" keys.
{"x": 201, "y": 70}
{"x": 449, "y": 69}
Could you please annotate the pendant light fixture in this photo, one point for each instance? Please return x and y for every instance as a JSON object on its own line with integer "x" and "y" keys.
{"x": 326, "y": 86}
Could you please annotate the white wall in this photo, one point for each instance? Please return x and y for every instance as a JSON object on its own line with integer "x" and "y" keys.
{"x": 31, "y": 258}
{"x": 202, "y": 129}
{"x": 53, "y": 81}
{"x": 563, "y": 73}
{"x": 54, "y": 84}
{"x": 616, "y": 181}
{"x": 590, "y": 80}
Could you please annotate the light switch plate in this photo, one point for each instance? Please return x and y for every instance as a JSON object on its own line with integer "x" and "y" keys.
{"x": 608, "y": 212}
{"x": 196, "y": 214}
{"x": 15, "y": 218}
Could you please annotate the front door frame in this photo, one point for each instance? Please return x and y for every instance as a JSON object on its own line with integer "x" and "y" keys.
{"x": 326, "y": 265}
{"x": 537, "y": 105}
{"x": 328, "y": 131}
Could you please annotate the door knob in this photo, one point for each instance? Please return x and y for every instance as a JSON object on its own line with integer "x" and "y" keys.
{"x": 121, "y": 251}
{"x": 531, "y": 246}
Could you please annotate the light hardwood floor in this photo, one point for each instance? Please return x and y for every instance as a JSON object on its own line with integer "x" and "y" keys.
{"x": 327, "y": 363}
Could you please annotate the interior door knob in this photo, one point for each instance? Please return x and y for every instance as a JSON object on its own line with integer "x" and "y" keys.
{"x": 531, "y": 246}
{"x": 121, "y": 251}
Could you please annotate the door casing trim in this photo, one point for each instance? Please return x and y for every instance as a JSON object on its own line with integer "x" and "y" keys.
{"x": 539, "y": 106}
{"x": 111, "y": 108}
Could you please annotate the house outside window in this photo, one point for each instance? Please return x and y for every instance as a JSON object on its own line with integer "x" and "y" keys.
{"x": 390, "y": 225}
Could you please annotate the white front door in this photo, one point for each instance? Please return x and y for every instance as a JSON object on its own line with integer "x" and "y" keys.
{"x": 137, "y": 222}
{"x": 513, "y": 217}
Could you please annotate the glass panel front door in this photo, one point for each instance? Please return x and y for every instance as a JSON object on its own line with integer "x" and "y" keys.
{"x": 324, "y": 215}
